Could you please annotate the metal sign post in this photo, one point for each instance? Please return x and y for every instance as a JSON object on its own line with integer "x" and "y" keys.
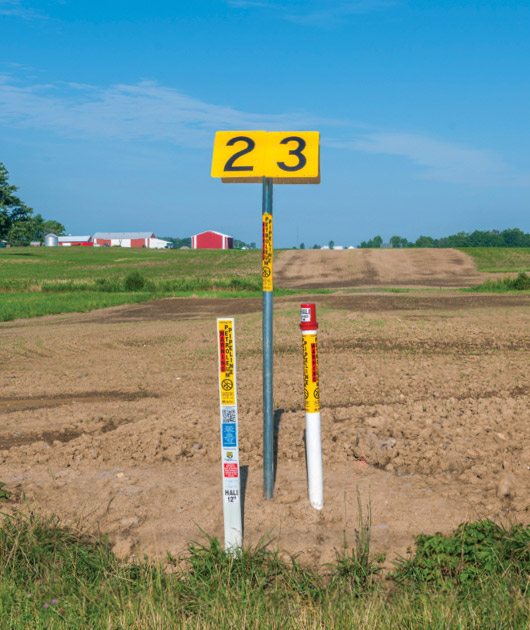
{"x": 279, "y": 157}
{"x": 268, "y": 415}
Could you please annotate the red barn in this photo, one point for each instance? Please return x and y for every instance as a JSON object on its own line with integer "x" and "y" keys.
{"x": 70, "y": 241}
{"x": 212, "y": 240}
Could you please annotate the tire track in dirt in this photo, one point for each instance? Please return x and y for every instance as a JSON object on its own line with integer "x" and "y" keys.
{"x": 25, "y": 403}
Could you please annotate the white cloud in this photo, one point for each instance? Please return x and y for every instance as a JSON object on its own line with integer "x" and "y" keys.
{"x": 143, "y": 111}
{"x": 150, "y": 112}
{"x": 315, "y": 12}
{"x": 440, "y": 160}
{"x": 335, "y": 13}
{"x": 15, "y": 8}
{"x": 244, "y": 4}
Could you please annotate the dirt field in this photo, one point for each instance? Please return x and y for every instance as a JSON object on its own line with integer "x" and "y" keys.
{"x": 110, "y": 419}
{"x": 312, "y": 269}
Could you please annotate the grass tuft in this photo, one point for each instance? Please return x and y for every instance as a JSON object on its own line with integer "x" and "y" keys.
{"x": 504, "y": 285}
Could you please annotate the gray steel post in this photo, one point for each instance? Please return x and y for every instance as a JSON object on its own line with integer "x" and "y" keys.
{"x": 268, "y": 417}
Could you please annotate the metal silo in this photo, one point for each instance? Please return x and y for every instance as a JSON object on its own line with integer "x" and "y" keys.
{"x": 51, "y": 240}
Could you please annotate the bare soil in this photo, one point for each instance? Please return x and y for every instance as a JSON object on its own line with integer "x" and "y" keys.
{"x": 110, "y": 419}
{"x": 311, "y": 269}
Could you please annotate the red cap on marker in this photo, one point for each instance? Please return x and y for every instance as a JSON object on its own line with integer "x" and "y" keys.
{"x": 308, "y": 317}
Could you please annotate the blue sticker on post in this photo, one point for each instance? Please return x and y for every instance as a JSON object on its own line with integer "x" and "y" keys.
{"x": 229, "y": 434}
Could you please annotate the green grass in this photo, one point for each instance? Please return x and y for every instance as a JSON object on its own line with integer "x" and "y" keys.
{"x": 52, "y": 576}
{"x": 499, "y": 259}
{"x": 503, "y": 285}
{"x": 24, "y": 266}
{"x": 23, "y": 305}
{"x": 46, "y": 281}
{"x": 20, "y": 305}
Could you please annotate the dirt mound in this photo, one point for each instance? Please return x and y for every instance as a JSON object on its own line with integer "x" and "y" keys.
{"x": 312, "y": 269}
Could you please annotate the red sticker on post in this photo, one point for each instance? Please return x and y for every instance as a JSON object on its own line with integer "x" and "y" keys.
{"x": 222, "y": 351}
{"x": 230, "y": 470}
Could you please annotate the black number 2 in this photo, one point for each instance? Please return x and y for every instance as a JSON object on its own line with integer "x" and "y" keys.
{"x": 302, "y": 160}
{"x": 229, "y": 166}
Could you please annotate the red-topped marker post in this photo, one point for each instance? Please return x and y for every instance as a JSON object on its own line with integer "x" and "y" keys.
{"x": 313, "y": 440}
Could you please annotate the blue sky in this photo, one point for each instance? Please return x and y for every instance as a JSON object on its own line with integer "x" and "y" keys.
{"x": 108, "y": 112}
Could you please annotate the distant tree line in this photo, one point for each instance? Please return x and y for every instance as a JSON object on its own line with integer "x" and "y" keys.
{"x": 178, "y": 242}
{"x": 491, "y": 238}
{"x": 17, "y": 223}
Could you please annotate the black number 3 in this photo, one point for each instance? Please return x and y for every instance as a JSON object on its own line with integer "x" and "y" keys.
{"x": 229, "y": 166}
{"x": 302, "y": 160}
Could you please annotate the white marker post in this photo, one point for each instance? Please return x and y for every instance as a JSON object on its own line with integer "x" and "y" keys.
{"x": 313, "y": 441}
{"x": 229, "y": 435}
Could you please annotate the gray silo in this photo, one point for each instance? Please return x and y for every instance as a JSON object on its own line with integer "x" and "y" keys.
{"x": 51, "y": 240}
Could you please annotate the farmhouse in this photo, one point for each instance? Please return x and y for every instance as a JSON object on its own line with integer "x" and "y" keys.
{"x": 70, "y": 241}
{"x": 212, "y": 240}
{"x": 128, "y": 239}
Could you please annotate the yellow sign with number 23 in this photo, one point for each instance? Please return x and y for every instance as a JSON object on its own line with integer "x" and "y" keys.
{"x": 289, "y": 157}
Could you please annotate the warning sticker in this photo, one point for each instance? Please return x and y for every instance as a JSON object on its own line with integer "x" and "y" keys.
{"x": 227, "y": 377}
{"x": 267, "y": 252}
{"x": 311, "y": 389}
{"x": 229, "y": 435}
{"x": 305, "y": 314}
{"x": 230, "y": 470}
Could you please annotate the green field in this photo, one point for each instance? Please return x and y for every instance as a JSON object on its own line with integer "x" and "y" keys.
{"x": 28, "y": 268}
{"x": 51, "y": 280}
{"x": 44, "y": 281}
{"x": 499, "y": 259}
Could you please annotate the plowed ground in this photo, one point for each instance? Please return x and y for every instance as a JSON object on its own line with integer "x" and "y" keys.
{"x": 110, "y": 419}
{"x": 311, "y": 269}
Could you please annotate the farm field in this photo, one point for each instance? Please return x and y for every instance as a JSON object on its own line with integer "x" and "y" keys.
{"x": 46, "y": 281}
{"x": 110, "y": 418}
{"x": 51, "y": 280}
{"x": 499, "y": 259}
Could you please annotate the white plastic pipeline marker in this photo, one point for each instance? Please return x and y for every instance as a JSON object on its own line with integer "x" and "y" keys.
{"x": 229, "y": 435}
{"x": 313, "y": 441}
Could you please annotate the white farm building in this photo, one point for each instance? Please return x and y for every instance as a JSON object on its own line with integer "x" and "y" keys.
{"x": 129, "y": 239}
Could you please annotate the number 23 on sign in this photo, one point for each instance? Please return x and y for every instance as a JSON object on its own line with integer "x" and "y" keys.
{"x": 289, "y": 157}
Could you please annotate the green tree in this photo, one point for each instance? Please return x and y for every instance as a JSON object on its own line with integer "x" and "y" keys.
{"x": 34, "y": 228}
{"x": 425, "y": 241}
{"x": 49, "y": 227}
{"x": 376, "y": 242}
{"x": 302, "y": 245}
{"x": 396, "y": 241}
{"x": 21, "y": 232}
{"x": 12, "y": 209}
{"x": 331, "y": 244}
{"x": 179, "y": 242}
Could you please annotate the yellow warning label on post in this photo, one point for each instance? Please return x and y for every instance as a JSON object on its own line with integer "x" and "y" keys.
{"x": 311, "y": 389}
{"x": 266, "y": 270}
{"x": 227, "y": 376}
